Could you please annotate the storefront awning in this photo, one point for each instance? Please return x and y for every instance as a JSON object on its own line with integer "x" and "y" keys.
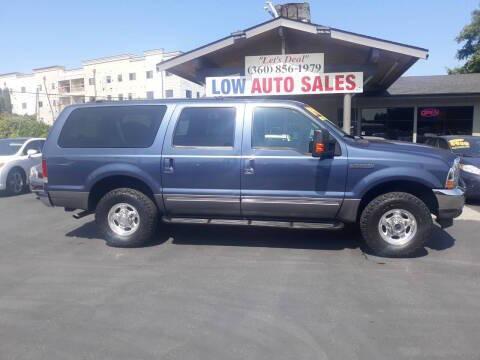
{"x": 381, "y": 61}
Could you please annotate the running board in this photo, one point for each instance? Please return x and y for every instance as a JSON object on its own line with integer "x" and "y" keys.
{"x": 263, "y": 223}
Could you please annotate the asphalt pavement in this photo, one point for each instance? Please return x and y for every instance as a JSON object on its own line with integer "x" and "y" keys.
{"x": 231, "y": 293}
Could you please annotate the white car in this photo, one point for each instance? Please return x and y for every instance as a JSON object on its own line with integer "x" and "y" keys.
{"x": 17, "y": 156}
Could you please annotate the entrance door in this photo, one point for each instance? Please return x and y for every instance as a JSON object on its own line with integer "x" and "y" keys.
{"x": 201, "y": 160}
{"x": 280, "y": 178}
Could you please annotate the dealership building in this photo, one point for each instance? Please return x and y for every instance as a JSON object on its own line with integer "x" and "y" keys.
{"x": 386, "y": 103}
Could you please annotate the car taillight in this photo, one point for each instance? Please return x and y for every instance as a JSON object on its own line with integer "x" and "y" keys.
{"x": 44, "y": 169}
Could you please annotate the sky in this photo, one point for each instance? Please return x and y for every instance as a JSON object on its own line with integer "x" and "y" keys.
{"x": 52, "y": 32}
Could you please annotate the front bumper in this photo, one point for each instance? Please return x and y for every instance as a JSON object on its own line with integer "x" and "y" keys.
{"x": 450, "y": 202}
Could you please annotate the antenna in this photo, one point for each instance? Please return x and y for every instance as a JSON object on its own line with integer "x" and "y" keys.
{"x": 270, "y": 8}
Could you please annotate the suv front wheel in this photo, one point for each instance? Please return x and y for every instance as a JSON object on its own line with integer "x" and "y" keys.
{"x": 396, "y": 224}
{"x": 126, "y": 218}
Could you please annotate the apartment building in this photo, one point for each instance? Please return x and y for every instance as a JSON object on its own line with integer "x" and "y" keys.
{"x": 46, "y": 91}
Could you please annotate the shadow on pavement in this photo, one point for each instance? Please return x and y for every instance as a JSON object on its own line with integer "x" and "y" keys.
{"x": 348, "y": 238}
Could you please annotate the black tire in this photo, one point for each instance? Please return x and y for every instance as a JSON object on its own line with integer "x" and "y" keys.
{"x": 12, "y": 186}
{"x": 373, "y": 212}
{"x": 147, "y": 217}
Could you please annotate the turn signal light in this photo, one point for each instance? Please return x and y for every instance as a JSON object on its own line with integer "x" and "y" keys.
{"x": 319, "y": 148}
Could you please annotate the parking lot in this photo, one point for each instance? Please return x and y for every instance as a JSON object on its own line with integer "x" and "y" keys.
{"x": 229, "y": 293}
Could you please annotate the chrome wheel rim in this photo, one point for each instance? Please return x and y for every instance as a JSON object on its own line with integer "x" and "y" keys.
{"x": 16, "y": 182}
{"x": 123, "y": 219}
{"x": 397, "y": 227}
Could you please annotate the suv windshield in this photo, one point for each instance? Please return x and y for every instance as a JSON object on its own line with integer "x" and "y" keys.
{"x": 10, "y": 146}
{"x": 465, "y": 146}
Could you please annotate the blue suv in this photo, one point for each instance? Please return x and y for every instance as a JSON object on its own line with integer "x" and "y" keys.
{"x": 246, "y": 163}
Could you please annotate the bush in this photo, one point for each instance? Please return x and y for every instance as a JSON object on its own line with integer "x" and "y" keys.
{"x": 12, "y": 126}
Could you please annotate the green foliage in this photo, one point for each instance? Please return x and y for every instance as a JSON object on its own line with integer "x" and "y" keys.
{"x": 470, "y": 51}
{"x": 5, "y": 101}
{"x": 21, "y": 126}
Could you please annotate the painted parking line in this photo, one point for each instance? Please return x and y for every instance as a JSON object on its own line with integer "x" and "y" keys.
{"x": 469, "y": 213}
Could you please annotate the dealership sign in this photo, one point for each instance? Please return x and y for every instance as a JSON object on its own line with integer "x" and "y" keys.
{"x": 288, "y": 84}
{"x": 288, "y": 74}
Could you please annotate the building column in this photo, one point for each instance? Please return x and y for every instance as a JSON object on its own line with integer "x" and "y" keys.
{"x": 347, "y": 113}
{"x": 415, "y": 123}
{"x": 476, "y": 119}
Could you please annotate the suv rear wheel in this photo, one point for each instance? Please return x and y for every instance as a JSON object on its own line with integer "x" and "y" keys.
{"x": 396, "y": 224}
{"x": 126, "y": 217}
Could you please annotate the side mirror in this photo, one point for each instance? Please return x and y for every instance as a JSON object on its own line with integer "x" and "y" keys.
{"x": 31, "y": 152}
{"x": 319, "y": 146}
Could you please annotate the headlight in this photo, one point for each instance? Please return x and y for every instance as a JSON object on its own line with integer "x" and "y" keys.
{"x": 470, "y": 169}
{"x": 453, "y": 175}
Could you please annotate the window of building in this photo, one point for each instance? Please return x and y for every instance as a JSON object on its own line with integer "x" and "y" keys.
{"x": 23, "y": 89}
{"x": 149, "y": 74}
{"x": 91, "y": 81}
{"x": 39, "y": 87}
{"x": 388, "y": 123}
{"x": 188, "y": 94}
{"x": 167, "y": 73}
{"x": 169, "y": 93}
{"x": 40, "y": 104}
{"x": 109, "y": 97}
{"x": 132, "y": 76}
{"x": 24, "y": 106}
{"x": 149, "y": 94}
{"x": 108, "y": 79}
{"x": 119, "y": 77}
{"x": 198, "y": 95}
{"x": 54, "y": 102}
{"x": 112, "y": 127}
{"x": 203, "y": 126}
{"x": 91, "y": 98}
{"x": 53, "y": 86}
{"x": 120, "y": 97}
{"x": 282, "y": 128}
{"x": 447, "y": 120}
{"x": 130, "y": 96}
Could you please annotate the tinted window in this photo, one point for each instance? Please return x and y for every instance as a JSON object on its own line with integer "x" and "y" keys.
{"x": 442, "y": 144}
{"x": 112, "y": 127}
{"x": 281, "y": 128}
{"x": 205, "y": 127}
{"x": 10, "y": 146}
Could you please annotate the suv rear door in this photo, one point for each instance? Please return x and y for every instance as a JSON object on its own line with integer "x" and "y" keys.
{"x": 280, "y": 178}
{"x": 201, "y": 160}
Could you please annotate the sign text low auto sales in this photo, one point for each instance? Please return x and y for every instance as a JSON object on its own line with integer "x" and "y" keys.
{"x": 290, "y": 74}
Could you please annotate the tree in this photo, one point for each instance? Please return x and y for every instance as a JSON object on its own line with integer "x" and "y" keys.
{"x": 470, "y": 51}
{"x": 5, "y": 101}
{"x": 12, "y": 126}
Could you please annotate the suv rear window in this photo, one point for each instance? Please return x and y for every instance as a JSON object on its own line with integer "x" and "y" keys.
{"x": 203, "y": 126}
{"x": 112, "y": 127}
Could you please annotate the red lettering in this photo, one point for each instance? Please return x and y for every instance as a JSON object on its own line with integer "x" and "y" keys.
{"x": 267, "y": 85}
{"x": 289, "y": 84}
{"x": 317, "y": 84}
{"x": 306, "y": 86}
{"x": 256, "y": 88}
{"x": 328, "y": 86}
{"x": 278, "y": 84}
{"x": 339, "y": 82}
{"x": 351, "y": 85}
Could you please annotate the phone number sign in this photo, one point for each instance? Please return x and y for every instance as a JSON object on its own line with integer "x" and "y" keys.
{"x": 265, "y": 65}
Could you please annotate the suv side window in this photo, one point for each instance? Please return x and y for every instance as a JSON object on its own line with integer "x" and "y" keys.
{"x": 35, "y": 145}
{"x": 282, "y": 128}
{"x": 112, "y": 127}
{"x": 205, "y": 127}
{"x": 442, "y": 144}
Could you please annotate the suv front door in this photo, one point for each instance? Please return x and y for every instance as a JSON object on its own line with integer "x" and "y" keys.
{"x": 280, "y": 178}
{"x": 201, "y": 160}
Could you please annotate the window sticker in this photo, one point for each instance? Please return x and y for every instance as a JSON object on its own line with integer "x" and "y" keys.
{"x": 314, "y": 112}
{"x": 456, "y": 144}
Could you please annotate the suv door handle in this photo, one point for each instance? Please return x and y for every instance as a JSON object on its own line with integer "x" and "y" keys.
{"x": 168, "y": 165}
{"x": 249, "y": 167}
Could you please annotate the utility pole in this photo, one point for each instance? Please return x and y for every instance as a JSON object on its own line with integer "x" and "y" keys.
{"x": 48, "y": 98}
